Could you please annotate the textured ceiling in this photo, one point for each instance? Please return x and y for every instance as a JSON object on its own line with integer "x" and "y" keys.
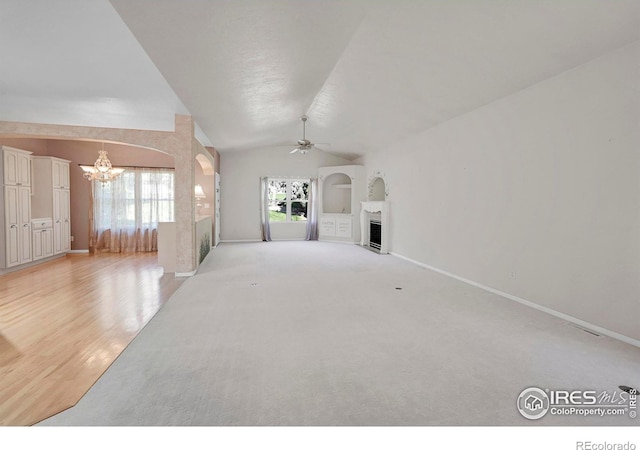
{"x": 367, "y": 73}
{"x": 75, "y": 62}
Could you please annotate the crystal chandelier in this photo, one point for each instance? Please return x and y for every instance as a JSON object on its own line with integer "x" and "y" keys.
{"x": 102, "y": 169}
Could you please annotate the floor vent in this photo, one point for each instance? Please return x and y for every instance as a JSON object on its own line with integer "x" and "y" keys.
{"x": 586, "y": 330}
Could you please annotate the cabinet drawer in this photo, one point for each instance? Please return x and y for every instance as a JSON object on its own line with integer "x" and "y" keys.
{"x": 42, "y": 223}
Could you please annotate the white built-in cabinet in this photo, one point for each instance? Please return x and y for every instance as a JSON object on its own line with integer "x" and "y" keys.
{"x": 33, "y": 186}
{"x": 340, "y": 191}
{"x": 51, "y": 198}
{"x": 15, "y": 244}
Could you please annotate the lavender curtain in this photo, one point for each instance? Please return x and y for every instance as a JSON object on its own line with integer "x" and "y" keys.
{"x": 312, "y": 211}
{"x": 264, "y": 209}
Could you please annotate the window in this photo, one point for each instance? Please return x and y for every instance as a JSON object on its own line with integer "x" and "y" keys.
{"x": 288, "y": 200}
{"x": 127, "y": 209}
{"x": 136, "y": 197}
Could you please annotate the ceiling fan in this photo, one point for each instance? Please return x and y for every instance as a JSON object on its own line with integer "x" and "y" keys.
{"x": 304, "y": 144}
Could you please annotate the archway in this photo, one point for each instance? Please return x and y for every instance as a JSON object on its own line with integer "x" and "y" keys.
{"x": 181, "y": 144}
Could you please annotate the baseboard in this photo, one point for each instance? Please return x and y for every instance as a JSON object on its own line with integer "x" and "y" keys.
{"x": 289, "y": 240}
{"x": 8, "y": 270}
{"x": 224, "y": 241}
{"x": 79, "y": 252}
{"x": 553, "y": 312}
{"x": 337, "y": 241}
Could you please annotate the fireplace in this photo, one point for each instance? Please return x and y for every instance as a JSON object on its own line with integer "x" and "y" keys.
{"x": 375, "y": 234}
{"x": 374, "y": 222}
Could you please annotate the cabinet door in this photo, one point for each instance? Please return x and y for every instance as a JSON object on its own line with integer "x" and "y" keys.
{"x": 56, "y": 174}
{"x": 24, "y": 169}
{"x": 57, "y": 222}
{"x": 10, "y": 167}
{"x": 343, "y": 227}
{"x": 11, "y": 216}
{"x": 47, "y": 242}
{"x": 24, "y": 209}
{"x": 60, "y": 174}
{"x": 61, "y": 221}
{"x": 64, "y": 175}
{"x": 17, "y": 168}
{"x": 327, "y": 226}
{"x": 65, "y": 214}
{"x": 38, "y": 250}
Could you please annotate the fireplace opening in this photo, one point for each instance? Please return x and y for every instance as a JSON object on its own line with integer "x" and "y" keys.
{"x": 373, "y": 216}
{"x": 375, "y": 234}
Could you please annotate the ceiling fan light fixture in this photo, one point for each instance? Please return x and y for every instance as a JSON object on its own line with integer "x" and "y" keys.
{"x": 304, "y": 144}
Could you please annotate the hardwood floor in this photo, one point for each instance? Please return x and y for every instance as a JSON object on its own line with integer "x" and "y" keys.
{"x": 62, "y": 323}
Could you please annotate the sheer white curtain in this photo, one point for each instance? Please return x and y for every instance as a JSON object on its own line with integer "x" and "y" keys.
{"x": 126, "y": 211}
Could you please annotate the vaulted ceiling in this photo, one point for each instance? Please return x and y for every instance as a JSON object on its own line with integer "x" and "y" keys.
{"x": 368, "y": 73}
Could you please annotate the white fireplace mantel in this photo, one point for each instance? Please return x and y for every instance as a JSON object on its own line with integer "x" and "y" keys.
{"x": 381, "y": 207}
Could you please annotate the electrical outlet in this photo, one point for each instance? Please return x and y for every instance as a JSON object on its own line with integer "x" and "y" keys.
{"x": 71, "y": 238}
{"x": 512, "y": 275}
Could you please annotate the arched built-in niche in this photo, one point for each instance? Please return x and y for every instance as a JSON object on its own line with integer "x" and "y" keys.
{"x": 341, "y": 189}
{"x": 336, "y": 194}
{"x": 377, "y": 190}
{"x": 374, "y": 215}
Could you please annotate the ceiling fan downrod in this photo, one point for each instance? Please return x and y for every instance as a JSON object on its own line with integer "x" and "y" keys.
{"x": 304, "y": 141}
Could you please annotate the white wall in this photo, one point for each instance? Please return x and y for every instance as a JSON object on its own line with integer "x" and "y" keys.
{"x": 536, "y": 195}
{"x": 240, "y": 188}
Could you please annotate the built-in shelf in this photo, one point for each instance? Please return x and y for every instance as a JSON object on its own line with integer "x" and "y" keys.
{"x": 340, "y": 191}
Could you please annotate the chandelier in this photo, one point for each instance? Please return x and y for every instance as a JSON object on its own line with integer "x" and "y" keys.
{"x": 102, "y": 169}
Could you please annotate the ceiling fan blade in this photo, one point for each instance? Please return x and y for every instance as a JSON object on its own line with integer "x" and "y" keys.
{"x": 293, "y": 144}
{"x": 294, "y": 150}
{"x": 321, "y": 143}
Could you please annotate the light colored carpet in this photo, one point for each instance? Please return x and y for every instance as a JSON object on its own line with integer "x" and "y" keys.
{"x": 312, "y": 333}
